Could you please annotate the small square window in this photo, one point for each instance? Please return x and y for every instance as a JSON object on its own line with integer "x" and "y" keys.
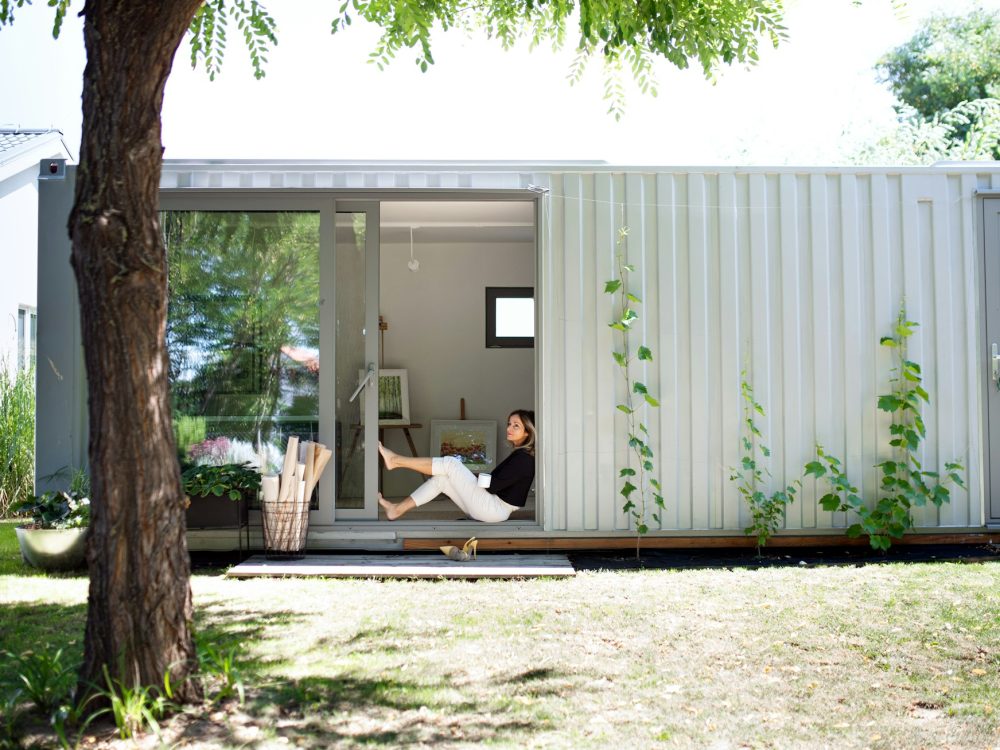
{"x": 510, "y": 317}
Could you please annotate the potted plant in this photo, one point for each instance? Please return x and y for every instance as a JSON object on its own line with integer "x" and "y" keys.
{"x": 55, "y": 537}
{"x": 217, "y": 495}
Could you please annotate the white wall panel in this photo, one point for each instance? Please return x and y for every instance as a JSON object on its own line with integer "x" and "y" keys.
{"x": 792, "y": 273}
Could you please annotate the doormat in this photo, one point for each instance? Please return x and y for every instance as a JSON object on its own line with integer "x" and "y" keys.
{"x": 406, "y": 566}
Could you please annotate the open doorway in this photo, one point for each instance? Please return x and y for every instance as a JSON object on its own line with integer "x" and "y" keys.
{"x": 439, "y": 264}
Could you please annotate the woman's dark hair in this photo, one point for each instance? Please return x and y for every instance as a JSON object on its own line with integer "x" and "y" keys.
{"x": 527, "y": 418}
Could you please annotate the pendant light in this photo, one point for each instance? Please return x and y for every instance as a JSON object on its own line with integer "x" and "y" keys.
{"x": 414, "y": 264}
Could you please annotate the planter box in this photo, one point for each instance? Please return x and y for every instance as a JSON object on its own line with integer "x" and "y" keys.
{"x": 52, "y": 549}
{"x": 212, "y": 512}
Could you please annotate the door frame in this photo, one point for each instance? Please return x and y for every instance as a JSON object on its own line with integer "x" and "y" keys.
{"x": 328, "y": 339}
{"x": 986, "y": 201}
{"x": 325, "y": 201}
{"x": 273, "y": 201}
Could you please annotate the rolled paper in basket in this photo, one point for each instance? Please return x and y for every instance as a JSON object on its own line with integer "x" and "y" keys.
{"x": 269, "y": 487}
{"x": 321, "y": 463}
{"x": 291, "y": 454}
{"x": 310, "y": 462}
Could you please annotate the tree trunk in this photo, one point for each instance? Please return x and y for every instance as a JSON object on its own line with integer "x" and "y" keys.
{"x": 139, "y": 611}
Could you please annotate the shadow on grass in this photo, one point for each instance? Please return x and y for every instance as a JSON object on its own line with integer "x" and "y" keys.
{"x": 316, "y": 712}
{"x": 29, "y": 626}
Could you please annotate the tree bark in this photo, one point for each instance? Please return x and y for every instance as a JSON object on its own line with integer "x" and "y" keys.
{"x": 139, "y": 610}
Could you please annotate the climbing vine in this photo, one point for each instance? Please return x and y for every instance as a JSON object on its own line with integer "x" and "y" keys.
{"x": 638, "y": 483}
{"x": 767, "y": 512}
{"x": 905, "y": 484}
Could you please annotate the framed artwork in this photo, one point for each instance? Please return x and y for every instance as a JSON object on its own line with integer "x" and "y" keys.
{"x": 474, "y": 441}
{"x": 393, "y": 397}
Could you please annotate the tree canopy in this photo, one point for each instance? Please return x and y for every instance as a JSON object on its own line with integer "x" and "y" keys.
{"x": 946, "y": 79}
{"x": 949, "y": 60}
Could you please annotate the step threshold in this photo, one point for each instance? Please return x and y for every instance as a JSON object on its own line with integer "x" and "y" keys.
{"x": 406, "y": 566}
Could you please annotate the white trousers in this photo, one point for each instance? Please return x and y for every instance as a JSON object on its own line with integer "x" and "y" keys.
{"x": 452, "y": 478}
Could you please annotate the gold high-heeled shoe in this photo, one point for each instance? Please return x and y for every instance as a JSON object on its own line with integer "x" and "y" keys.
{"x": 472, "y": 544}
{"x": 461, "y": 554}
{"x": 455, "y": 553}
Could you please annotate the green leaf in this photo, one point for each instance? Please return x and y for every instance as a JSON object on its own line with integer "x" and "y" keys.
{"x": 830, "y": 502}
{"x": 610, "y": 287}
{"x": 642, "y": 528}
{"x": 645, "y": 354}
{"x": 622, "y": 407}
{"x": 638, "y": 387}
{"x": 620, "y": 358}
{"x": 889, "y": 403}
{"x": 627, "y": 489}
{"x": 815, "y": 468}
{"x": 626, "y": 473}
{"x": 652, "y": 401}
{"x": 632, "y": 298}
{"x": 888, "y": 341}
{"x": 628, "y": 267}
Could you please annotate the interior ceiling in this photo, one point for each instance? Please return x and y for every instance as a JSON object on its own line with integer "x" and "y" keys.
{"x": 458, "y": 221}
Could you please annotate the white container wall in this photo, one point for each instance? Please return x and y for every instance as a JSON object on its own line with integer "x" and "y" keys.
{"x": 793, "y": 277}
{"x": 791, "y": 274}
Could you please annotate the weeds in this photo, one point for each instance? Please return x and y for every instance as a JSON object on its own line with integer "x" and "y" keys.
{"x": 135, "y": 709}
{"x": 17, "y": 436}
{"x": 44, "y": 679}
{"x": 219, "y": 668}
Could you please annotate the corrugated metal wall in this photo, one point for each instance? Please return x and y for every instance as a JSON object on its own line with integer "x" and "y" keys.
{"x": 792, "y": 275}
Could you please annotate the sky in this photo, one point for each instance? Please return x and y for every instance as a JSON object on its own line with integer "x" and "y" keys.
{"x": 811, "y": 101}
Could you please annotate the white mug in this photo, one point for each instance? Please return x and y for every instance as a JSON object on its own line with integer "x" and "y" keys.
{"x": 485, "y": 479}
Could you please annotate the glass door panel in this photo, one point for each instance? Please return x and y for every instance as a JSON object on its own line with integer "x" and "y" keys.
{"x": 243, "y": 333}
{"x": 356, "y": 356}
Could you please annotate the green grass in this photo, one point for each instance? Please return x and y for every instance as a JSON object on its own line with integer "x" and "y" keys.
{"x": 885, "y": 656}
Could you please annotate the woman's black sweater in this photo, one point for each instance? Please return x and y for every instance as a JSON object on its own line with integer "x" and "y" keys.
{"x": 512, "y": 478}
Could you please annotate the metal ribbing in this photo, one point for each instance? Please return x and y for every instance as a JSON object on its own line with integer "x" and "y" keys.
{"x": 796, "y": 276}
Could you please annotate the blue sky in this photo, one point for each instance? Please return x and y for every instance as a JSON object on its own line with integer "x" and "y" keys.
{"x": 806, "y": 103}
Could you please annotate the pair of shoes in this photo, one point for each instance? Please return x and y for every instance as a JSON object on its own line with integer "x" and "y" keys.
{"x": 462, "y": 554}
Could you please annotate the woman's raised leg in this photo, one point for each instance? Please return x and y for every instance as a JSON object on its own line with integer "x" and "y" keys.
{"x": 394, "y": 460}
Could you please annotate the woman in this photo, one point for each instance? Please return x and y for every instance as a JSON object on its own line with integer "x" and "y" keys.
{"x": 509, "y": 483}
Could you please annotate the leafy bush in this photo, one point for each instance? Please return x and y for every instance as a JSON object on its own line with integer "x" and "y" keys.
{"x": 229, "y": 479}
{"x": 17, "y": 436}
{"x": 57, "y": 510}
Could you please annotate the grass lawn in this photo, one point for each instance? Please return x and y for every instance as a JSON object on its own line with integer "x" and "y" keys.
{"x": 883, "y": 656}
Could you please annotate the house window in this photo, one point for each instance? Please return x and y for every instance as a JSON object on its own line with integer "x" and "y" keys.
{"x": 27, "y": 336}
{"x": 510, "y": 317}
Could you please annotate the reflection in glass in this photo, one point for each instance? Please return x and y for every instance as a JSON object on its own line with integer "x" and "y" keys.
{"x": 243, "y": 333}
{"x": 349, "y": 268}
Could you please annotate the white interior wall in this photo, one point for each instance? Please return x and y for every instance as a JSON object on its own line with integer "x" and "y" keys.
{"x": 437, "y": 332}
{"x": 18, "y": 255}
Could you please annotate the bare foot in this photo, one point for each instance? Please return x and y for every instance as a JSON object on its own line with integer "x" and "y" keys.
{"x": 390, "y": 457}
{"x": 391, "y": 511}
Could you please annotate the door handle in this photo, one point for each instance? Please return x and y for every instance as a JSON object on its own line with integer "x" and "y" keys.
{"x": 371, "y": 374}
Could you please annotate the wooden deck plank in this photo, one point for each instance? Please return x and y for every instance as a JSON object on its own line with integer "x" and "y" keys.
{"x": 545, "y": 544}
{"x": 405, "y": 566}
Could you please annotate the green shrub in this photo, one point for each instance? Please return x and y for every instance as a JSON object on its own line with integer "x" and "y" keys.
{"x": 188, "y": 431}
{"x": 17, "y": 436}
